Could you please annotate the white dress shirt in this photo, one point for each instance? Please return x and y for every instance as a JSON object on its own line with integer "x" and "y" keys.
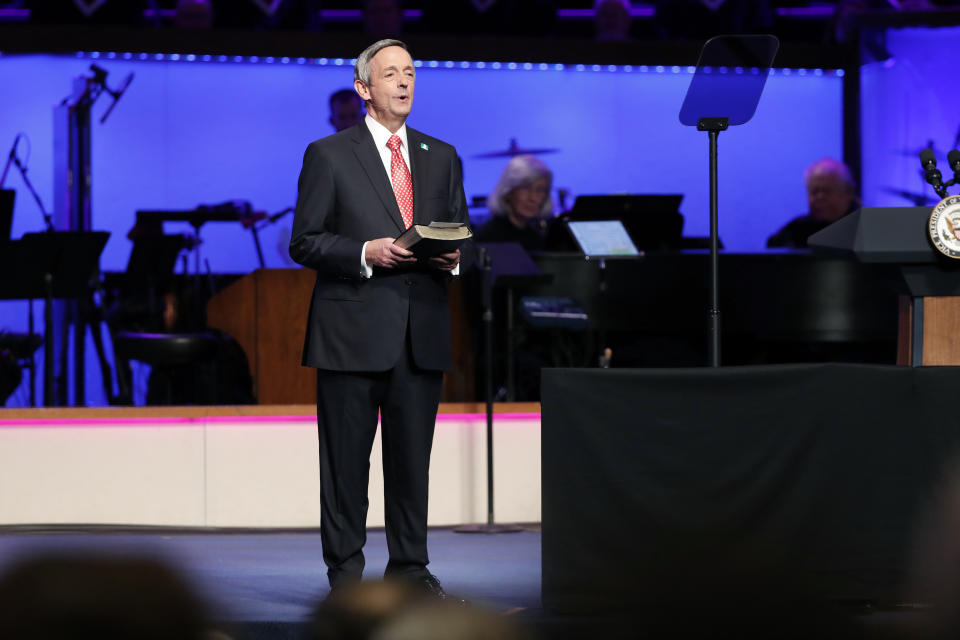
{"x": 380, "y": 137}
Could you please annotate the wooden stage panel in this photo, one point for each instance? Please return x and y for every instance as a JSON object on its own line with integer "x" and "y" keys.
{"x": 240, "y": 466}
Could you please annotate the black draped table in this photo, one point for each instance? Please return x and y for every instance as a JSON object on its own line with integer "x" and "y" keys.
{"x": 650, "y": 475}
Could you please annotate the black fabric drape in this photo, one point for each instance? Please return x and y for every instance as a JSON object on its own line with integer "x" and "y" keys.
{"x": 816, "y": 472}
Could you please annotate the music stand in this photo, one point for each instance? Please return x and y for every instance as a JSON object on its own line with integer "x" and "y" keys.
{"x": 50, "y": 265}
{"x": 504, "y": 264}
{"x": 725, "y": 91}
{"x": 512, "y": 268}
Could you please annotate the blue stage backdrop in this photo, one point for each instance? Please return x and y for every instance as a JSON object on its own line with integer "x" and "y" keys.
{"x": 908, "y": 102}
{"x": 190, "y": 131}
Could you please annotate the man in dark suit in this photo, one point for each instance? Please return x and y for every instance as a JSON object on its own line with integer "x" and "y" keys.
{"x": 379, "y": 325}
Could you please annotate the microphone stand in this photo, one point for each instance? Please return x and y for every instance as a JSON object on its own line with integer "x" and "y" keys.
{"x": 23, "y": 174}
{"x": 254, "y": 229}
{"x": 486, "y": 297}
{"x": 931, "y": 174}
{"x": 6, "y": 167}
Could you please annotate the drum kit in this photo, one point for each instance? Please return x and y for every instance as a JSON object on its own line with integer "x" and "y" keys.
{"x": 515, "y": 150}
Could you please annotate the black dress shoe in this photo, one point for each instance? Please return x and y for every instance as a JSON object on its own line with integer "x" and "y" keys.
{"x": 430, "y": 586}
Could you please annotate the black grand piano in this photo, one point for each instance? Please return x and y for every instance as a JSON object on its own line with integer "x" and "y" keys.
{"x": 776, "y": 307}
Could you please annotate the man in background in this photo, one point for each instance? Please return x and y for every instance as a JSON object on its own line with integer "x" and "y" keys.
{"x": 831, "y": 194}
{"x": 346, "y": 109}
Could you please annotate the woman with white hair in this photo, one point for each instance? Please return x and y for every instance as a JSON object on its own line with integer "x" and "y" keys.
{"x": 520, "y": 204}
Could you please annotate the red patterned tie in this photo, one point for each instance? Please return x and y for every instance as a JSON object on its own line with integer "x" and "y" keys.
{"x": 402, "y": 184}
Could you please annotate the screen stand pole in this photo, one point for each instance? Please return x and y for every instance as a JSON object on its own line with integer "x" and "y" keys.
{"x": 713, "y": 127}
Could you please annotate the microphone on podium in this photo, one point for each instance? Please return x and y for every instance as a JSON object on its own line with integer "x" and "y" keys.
{"x": 931, "y": 174}
{"x": 953, "y": 159}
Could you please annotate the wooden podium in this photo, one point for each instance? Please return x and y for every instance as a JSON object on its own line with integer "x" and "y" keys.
{"x": 895, "y": 239}
{"x": 266, "y": 312}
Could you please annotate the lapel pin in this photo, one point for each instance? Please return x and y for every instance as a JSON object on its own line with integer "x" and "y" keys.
{"x": 425, "y": 146}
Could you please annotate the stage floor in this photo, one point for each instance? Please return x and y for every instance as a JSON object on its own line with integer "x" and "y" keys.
{"x": 263, "y": 584}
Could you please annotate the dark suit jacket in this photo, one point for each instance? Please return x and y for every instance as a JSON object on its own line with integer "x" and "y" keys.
{"x": 345, "y": 198}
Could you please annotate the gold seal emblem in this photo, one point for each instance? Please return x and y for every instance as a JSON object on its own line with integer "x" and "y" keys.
{"x": 944, "y": 227}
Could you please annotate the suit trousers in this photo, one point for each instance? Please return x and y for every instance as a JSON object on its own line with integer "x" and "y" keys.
{"x": 407, "y": 399}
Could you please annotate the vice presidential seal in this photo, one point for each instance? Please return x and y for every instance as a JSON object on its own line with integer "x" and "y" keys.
{"x": 944, "y": 227}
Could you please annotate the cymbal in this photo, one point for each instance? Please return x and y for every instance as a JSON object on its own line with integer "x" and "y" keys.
{"x": 515, "y": 150}
{"x": 918, "y": 199}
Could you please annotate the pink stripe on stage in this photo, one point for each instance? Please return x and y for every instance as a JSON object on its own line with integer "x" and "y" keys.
{"x": 482, "y": 417}
{"x": 121, "y": 422}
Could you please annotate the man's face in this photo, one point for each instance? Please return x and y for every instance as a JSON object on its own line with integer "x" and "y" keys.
{"x": 346, "y": 113}
{"x": 828, "y": 196}
{"x": 389, "y": 95}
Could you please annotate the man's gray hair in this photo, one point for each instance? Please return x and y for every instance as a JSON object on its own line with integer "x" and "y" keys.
{"x": 521, "y": 171}
{"x": 831, "y": 167}
{"x": 361, "y": 70}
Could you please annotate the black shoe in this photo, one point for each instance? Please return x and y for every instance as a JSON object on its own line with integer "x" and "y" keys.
{"x": 430, "y": 586}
